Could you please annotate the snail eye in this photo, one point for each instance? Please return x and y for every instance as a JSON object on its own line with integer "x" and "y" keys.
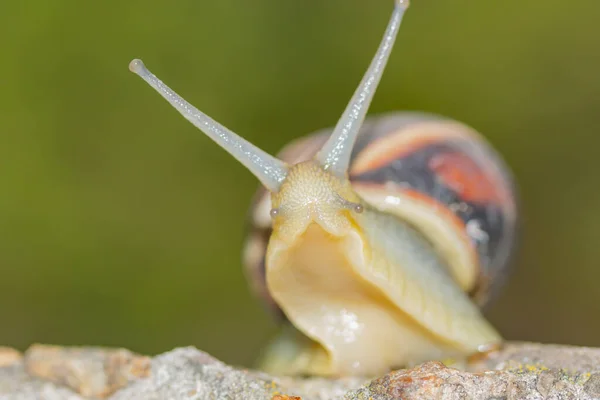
{"x": 349, "y": 205}
{"x": 274, "y": 212}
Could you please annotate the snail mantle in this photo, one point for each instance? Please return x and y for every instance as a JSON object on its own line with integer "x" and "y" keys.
{"x": 519, "y": 371}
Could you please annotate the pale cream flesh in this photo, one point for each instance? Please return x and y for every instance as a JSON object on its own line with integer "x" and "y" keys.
{"x": 374, "y": 297}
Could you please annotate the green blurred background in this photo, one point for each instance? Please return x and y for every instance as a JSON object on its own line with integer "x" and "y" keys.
{"x": 121, "y": 225}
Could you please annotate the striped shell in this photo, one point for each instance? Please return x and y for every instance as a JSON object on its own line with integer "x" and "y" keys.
{"x": 435, "y": 173}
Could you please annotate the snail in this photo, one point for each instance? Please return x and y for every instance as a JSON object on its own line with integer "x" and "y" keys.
{"x": 378, "y": 242}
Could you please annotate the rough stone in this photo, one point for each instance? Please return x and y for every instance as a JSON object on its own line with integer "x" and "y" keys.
{"x": 592, "y": 386}
{"x": 9, "y": 356}
{"x": 91, "y": 372}
{"x": 517, "y": 371}
{"x": 546, "y": 381}
{"x": 16, "y": 384}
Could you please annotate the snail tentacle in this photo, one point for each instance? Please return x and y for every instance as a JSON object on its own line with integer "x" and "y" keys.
{"x": 268, "y": 169}
{"x": 335, "y": 154}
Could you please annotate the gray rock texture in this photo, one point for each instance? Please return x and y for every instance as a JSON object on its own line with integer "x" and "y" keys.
{"x": 518, "y": 371}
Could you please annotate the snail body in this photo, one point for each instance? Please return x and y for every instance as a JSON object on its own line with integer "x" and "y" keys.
{"x": 435, "y": 237}
{"x": 377, "y": 241}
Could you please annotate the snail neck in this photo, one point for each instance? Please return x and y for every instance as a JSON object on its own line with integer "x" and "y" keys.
{"x": 310, "y": 194}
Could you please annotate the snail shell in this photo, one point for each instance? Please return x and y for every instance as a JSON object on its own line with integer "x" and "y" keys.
{"x": 379, "y": 240}
{"x": 439, "y": 175}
